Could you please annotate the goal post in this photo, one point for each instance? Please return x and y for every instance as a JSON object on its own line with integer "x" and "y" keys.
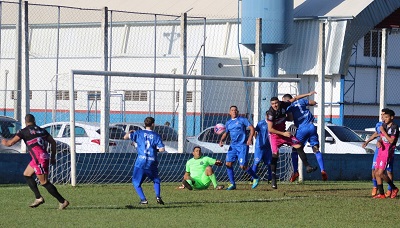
{"x": 208, "y": 99}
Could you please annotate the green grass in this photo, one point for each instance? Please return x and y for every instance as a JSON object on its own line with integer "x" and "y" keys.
{"x": 312, "y": 204}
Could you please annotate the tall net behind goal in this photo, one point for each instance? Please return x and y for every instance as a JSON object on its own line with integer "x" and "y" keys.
{"x": 133, "y": 97}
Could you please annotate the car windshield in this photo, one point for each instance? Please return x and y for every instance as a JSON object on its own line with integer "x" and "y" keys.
{"x": 345, "y": 134}
{"x": 115, "y": 133}
{"x": 166, "y": 133}
{"x": 8, "y": 128}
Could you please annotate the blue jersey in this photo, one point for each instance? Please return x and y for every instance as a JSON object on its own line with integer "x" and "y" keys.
{"x": 301, "y": 114}
{"x": 262, "y": 134}
{"x": 147, "y": 143}
{"x": 237, "y": 130}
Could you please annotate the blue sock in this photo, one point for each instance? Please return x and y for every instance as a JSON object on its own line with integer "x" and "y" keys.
{"x": 139, "y": 191}
{"x": 374, "y": 183}
{"x": 254, "y": 168}
{"x": 231, "y": 175}
{"x": 389, "y": 188}
{"x": 295, "y": 161}
{"x": 320, "y": 160}
{"x": 251, "y": 173}
{"x": 157, "y": 187}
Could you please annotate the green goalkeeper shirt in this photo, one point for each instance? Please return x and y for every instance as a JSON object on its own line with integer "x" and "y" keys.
{"x": 196, "y": 167}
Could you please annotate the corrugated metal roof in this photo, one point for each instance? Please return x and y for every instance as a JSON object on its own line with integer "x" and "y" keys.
{"x": 216, "y": 9}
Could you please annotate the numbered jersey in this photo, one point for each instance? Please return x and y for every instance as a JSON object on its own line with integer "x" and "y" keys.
{"x": 301, "y": 114}
{"x": 147, "y": 144}
{"x": 35, "y": 139}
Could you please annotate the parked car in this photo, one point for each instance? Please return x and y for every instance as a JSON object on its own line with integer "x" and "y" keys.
{"x": 338, "y": 140}
{"x": 168, "y": 134}
{"x": 87, "y": 137}
{"x": 8, "y": 128}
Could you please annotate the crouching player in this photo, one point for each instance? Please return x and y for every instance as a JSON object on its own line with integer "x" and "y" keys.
{"x": 199, "y": 173}
{"x": 386, "y": 144}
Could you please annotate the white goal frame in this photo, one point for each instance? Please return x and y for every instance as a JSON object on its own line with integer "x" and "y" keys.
{"x": 105, "y": 99}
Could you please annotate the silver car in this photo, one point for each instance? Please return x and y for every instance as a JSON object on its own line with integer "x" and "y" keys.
{"x": 8, "y": 128}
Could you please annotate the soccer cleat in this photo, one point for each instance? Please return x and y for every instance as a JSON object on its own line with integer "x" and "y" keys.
{"x": 294, "y": 177}
{"x": 143, "y": 202}
{"x": 231, "y": 187}
{"x": 160, "y": 201}
{"x": 274, "y": 185}
{"x": 379, "y": 196}
{"x": 374, "y": 191}
{"x": 187, "y": 185}
{"x": 394, "y": 193}
{"x": 219, "y": 187}
{"x": 388, "y": 193}
{"x": 311, "y": 169}
{"x": 255, "y": 183}
{"x": 63, "y": 205}
{"x": 37, "y": 202}
{"x": 324, "y": 175}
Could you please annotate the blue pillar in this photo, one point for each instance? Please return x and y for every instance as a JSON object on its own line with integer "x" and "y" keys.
{"x": 268, "y": 89}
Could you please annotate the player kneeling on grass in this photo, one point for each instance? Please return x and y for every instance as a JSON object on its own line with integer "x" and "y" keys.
{"x": 199, "y": 173}
{"x": 36, "y": 140}
{"x": 146, "y": 165}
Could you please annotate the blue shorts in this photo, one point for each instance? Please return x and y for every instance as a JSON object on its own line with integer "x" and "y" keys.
{"x": 139, "y": 175}
{"x": 307, "y": 133}
{"x": 238, "y": 152}
{"x": 263, "y": 153}
{"x": 389, "y": 167}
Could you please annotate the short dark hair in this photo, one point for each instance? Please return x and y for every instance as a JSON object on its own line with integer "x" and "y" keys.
{"x": 288, "y": 96}
{"x": 390, "y": 112}
{"x": 274, "y": 99}
{"x": 29, "y": 118}
{"x": 385, "y": 110}
{"x": 148, "y": 121}
{"x": 196, "y": 147}
{"x": 233, "y": 106}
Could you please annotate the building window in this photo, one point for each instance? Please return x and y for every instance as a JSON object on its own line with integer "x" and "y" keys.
{"x": 189, "y": 96}
{"x": 373, "y": 44}
{"x": 14, "y": 95}
{"x": 64, "y": 95}
{"x": 136, "y": 95}
{"x": 94, "y": 95}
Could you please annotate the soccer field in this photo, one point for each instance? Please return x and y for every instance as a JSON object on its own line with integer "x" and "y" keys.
{"x": 312, "y": 204}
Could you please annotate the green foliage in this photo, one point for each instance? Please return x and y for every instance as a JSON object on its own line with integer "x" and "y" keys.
{"x": 312, "y": 204}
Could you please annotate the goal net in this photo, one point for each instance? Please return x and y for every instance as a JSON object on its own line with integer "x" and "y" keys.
{"x": 117, "y": 102}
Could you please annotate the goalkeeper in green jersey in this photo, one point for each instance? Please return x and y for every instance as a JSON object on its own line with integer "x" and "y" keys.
{"x": 199, "y": 173}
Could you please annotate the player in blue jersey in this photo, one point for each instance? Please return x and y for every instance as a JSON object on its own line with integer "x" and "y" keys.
{"x": 146, "y": 165}
{"x": 389, "y": 168}
{"x": 239, "y": 147}
{"x": 262, "y": 151}
{"x": 306, "y": 131}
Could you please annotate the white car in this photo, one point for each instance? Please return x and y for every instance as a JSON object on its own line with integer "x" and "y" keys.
{"x": 87, "y": 137}
{"x": 338, "y": 140}
{"x": 168, "y": 134}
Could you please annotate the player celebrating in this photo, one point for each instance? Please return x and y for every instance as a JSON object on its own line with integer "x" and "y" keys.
{"x": 387, "y": 143}
{"x": 36, "y": 140}
{"x": 263, "y": 147}
{"x": 199, "y": 173}
{"x": 239, "y": 147}
{"x": 146, "y": 165}
{"x": 306, "y": 131}
{"x": 389, "y": 168}
{"x": 276, "y": 117}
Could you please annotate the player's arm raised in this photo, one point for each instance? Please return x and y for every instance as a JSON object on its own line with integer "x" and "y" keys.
{"x": 302, "y": 96}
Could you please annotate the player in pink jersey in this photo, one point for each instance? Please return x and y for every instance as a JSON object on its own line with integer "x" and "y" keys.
{"x": 36, "y": 140}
